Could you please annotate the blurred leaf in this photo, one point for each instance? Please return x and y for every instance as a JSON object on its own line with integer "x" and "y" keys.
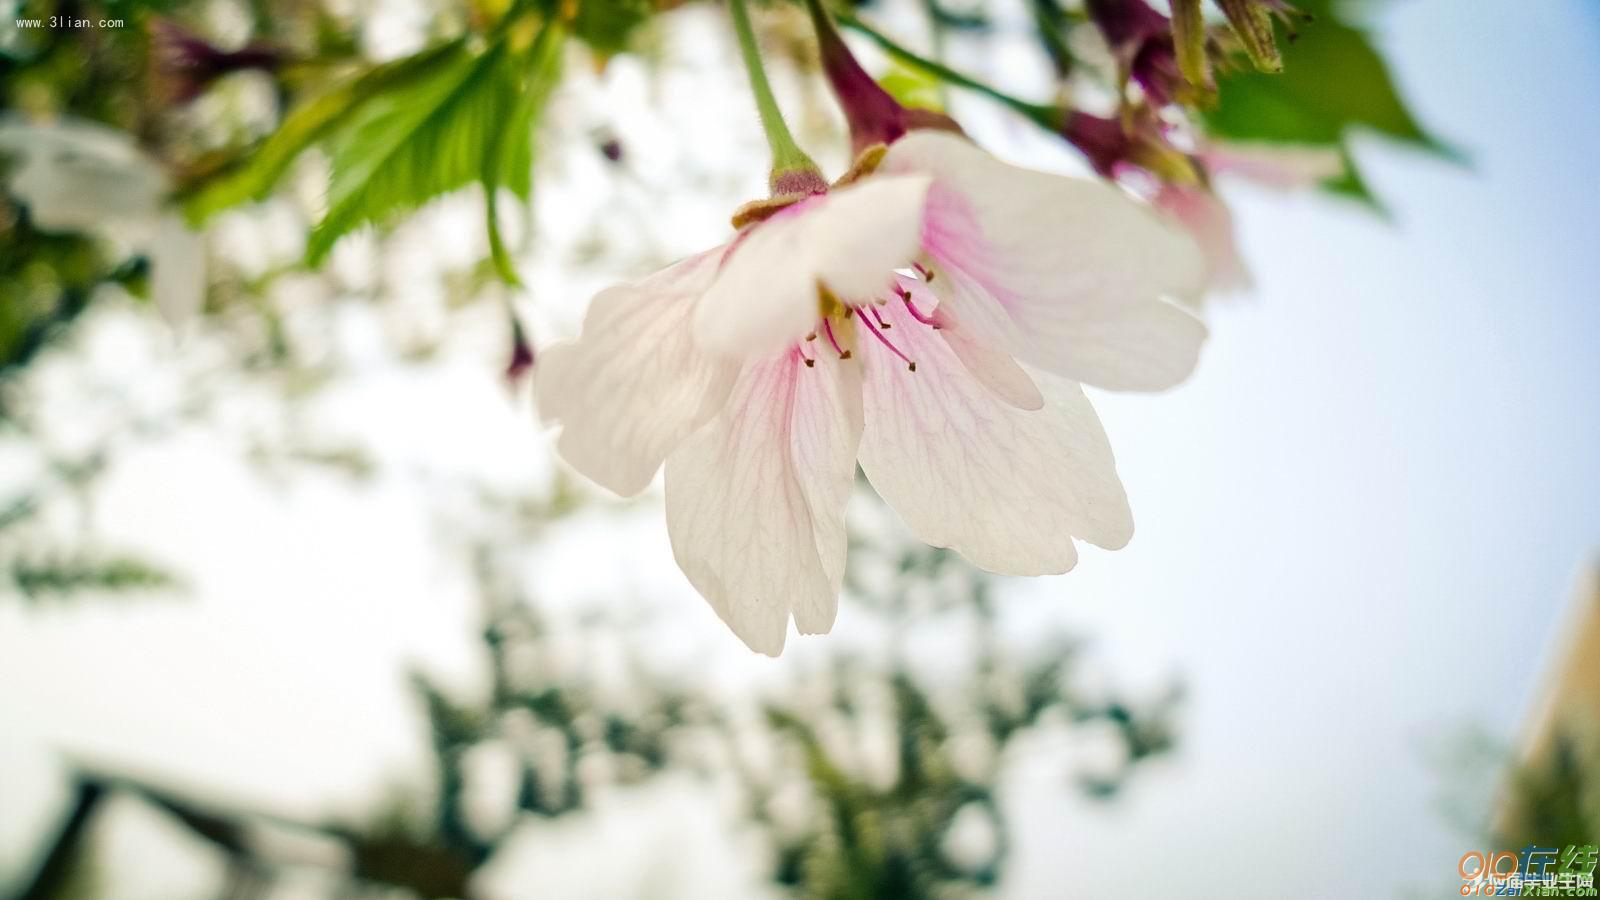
{"x": 1334, "y": 83}
{"x": 510, "y": 160}
{"x": 607, "y": 25}
{"x": 913, "y": 87}
{"x": 309, "y": 123}
{"x": 62, "y": 577}
{"x": 1334, "y": 79}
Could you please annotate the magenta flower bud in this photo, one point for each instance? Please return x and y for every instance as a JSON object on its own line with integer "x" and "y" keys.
{"x": 188, "y": 63}
{"x": 1111, "y": 147}
{"x": 521, "y": 358}
{"x": 1102, "y": 140}
{"x": 1128, "y": 23}
{"x": 875, "y": 117}
{"x": 1140, "y": 39}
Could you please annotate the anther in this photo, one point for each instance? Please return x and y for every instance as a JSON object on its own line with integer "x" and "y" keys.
{"x": 810, "y": 363}
{"x": 881, "y": 323}
{"x": 923, "y": 271}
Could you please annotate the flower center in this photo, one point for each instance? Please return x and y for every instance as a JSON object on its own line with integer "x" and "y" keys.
{"x": 838, "y": 321}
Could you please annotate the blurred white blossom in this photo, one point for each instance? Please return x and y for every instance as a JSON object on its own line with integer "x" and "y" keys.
{"x": 79, "y": 176}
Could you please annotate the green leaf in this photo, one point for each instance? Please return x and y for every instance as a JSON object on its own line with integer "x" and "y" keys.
{"x": 1334, "y": 84}
{"x": 913, "y": 87}
{"x": 414, "y": 143}
{"x": 529, "y": 78}
{"x": 608, "y": 25}
{"x": 1333, "y": 80}
{"x": 307, "y": 124}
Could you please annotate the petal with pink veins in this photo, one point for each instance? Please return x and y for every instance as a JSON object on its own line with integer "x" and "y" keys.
{"x": 1007, "y": 488}
{"x": 980, "y": 357}
{"x": 634, "y": 384}
{"x": 1071, "y": 274}
{"x": 755, "y": 499}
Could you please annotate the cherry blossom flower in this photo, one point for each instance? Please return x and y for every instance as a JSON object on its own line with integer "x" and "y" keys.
{"x": 932, "y": 323}
{"x": 79, "y": 176}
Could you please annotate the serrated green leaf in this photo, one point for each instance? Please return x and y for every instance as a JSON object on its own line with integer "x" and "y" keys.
{"x": 509, "y": 163}
{"x": 306, "y": 125}
{"x": 414, "y": 143}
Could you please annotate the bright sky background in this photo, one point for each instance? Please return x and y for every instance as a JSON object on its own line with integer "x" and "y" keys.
{"x": 1359, "y": 525}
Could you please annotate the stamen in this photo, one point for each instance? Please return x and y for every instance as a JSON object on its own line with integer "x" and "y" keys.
{"x": 827, "y": 328}
{"x": 885, "y": 341}
{"x": 923, "y": 271}
{"x": 881, "y": 323}
{"x": 810, "y": 363}
{"x": 917, "y": 314}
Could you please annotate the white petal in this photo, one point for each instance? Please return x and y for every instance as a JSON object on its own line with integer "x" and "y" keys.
{"x": 850, "y": 241}
{"x": 865, "y": 232}
{"x": 1209, "y": 221}
{"x": 755, "y": 499}
{"x": 765, "y": 296}
{"x": 1078, "y": 268}
{"x": 177, "y": 270}
{"x": 634, "y": 384}
{"x": 1005, "y": 487}
{"x": 76, "y": 175}
{"x": 1281, "y": 166}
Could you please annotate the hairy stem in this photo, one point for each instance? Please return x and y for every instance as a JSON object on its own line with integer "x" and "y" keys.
{"x": 786, "y": 154}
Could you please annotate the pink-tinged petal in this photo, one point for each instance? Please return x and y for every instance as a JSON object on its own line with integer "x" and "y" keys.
{"x": 1071, "y": 273}
{"x": 755, "y": 499}
{"x": 849, "y": 241}
{"x": 1210, "y": 223}
{"x": 1005, "y": 487}
{"x": 1281, "y": 166}
{"x": 980, "y": 355}
{"x": 634, "y": 384}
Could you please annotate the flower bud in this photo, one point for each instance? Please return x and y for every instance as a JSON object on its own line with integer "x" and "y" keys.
{"x": 187, "y": 63}
{"x": 1189, "y": 42}
{"x": 1252, "y": 21}
{"x": 1112, "y": 147}
{"x": 875, "y": 117}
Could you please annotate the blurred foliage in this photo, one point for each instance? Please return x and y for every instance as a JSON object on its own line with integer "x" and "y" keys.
{"x": 1553, "y": 799}
{"x": 41, "y": 579}
{"x": 46, "y": 281}
{"x": 916, "y": 816}
{"x": 465, "y": 108}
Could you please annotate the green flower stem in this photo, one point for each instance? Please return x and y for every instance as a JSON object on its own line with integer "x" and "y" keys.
{"x": 1045, "y": 116}
{"x": 786, "y": 154}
